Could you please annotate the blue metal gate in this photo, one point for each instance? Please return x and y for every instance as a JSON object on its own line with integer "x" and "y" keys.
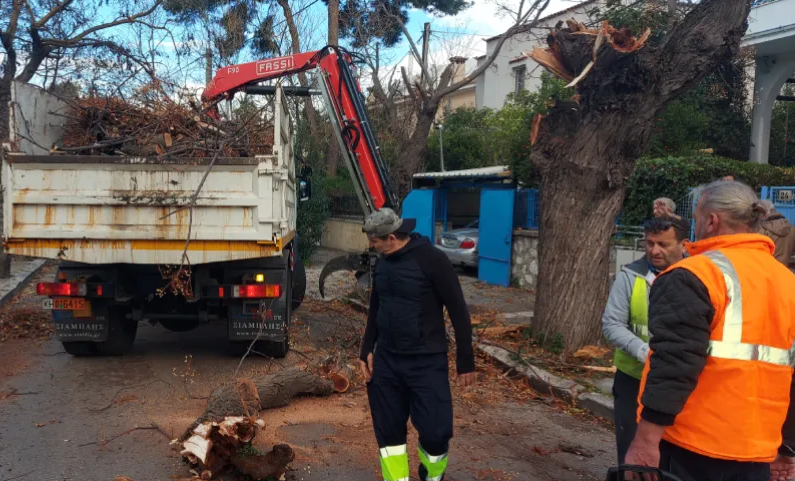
{"x": 783, "y": 198}
{"x": 419, "y": 204}
{"x": 495, "y": 236}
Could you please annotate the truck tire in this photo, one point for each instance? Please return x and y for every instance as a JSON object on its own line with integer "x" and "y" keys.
{"x": 78, "y": 348}
{"x": 121, "y": 335}
{"x": 299, "y": 283}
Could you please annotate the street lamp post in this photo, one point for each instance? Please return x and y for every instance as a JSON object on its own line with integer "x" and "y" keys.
{"x": 441, "y": 146}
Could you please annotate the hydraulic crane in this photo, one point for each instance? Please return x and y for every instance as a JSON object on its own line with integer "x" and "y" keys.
{"x": 345, "y": 106}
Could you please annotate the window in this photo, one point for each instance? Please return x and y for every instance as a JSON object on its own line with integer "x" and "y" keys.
{"x": 519, "y": 75}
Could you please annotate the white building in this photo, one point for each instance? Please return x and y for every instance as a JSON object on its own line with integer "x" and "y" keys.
{"x": 511, "y": 71}
{"x": 771, "y": 33}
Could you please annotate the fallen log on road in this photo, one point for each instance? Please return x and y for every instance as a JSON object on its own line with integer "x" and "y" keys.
{"x": 222, "y": 435}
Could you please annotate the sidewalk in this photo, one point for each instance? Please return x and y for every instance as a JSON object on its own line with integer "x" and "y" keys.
{"x": 22, "y": 269}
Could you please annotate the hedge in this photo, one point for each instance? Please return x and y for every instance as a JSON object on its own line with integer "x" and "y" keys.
{"x": 673, "y": 177}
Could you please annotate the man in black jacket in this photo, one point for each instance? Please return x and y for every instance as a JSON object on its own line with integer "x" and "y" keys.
{"x": 404, "y": 350}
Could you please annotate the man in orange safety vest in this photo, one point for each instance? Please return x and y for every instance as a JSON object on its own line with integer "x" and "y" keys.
{"x": 716, "y": 387}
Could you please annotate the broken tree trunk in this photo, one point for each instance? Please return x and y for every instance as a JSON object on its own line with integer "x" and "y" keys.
{"x": 585, "y": 148}
{"x": 247, "y": 397}
{"x": 222, "y": 435}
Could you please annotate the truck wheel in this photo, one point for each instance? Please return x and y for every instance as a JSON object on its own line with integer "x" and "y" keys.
{"x": 121, "y": 334}
{"x": 179, "y": 326}
{"x": 78, "y": 348}
{"x": 299, "y": 283}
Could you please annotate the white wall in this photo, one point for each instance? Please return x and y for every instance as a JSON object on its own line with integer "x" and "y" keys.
{"x": 33, "y": 124}
{"x": 344, "y": 235}
{"x": 499, "y": 80}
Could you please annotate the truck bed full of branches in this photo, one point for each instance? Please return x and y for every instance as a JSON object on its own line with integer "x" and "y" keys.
{"x": 159, "y": 128}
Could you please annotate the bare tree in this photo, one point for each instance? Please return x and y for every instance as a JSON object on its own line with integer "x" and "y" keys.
{"x": 38, "y": 30}
{"x": 423, "y": 98}
{"x": 585, "y": 149}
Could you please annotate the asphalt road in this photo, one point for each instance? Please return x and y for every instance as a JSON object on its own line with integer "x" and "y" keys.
{"x": 76, "y": 418}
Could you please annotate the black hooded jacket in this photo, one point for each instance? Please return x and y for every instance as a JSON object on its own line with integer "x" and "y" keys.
{"x": 410, "y": 289}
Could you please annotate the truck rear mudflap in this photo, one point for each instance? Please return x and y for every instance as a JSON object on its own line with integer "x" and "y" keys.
{"x": 74, "y": 329}
{"x": 258, "y": 310}
{"x": 80, "y": 311}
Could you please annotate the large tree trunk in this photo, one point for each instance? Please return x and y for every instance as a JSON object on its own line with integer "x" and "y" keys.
{"x": 413, "y": 152}
{"x": 577, "y": 212}
{"x": 585, "y": 150}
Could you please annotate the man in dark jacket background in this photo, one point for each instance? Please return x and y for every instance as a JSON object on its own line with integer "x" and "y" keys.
{"x": 778, "y": 228}
{"x": 404, "y": 350}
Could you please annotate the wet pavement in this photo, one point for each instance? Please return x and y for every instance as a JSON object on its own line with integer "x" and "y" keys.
{"x": 66, "y": 418}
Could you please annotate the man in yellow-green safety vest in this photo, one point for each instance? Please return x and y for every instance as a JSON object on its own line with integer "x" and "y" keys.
{"x": 625, "y": 320}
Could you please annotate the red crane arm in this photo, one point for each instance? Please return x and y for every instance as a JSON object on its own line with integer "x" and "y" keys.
{"x": 345, "y": 106}
{"x": 230, "y": 79}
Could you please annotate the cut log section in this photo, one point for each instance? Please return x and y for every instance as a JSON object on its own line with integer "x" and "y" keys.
{"x": 222, "y": 435}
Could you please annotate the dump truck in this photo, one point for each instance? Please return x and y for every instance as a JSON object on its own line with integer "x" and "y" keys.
{"x": 182, "y": 242}
{"x": 120, "y": 225}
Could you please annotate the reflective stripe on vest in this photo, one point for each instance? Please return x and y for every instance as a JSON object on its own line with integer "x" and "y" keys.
{"x": 731, "y": 346}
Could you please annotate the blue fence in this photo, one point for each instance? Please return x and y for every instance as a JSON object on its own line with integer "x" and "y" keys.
{"x": 526, "y": 209}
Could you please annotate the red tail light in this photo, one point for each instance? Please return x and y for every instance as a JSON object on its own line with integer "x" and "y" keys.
{"x": 468, "y": 244}
{"x": 251, "y": 291}
{"x": 61, "y": 289}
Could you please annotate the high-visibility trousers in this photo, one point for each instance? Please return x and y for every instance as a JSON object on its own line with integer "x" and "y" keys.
{"x": 415, "y": 386}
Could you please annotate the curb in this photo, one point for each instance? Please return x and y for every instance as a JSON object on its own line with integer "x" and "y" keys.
{"x": 547, "y": 383}
{"x": 37, "y": 265}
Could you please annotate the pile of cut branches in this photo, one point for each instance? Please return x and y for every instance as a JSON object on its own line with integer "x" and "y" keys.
{"x": 155, "y": 128}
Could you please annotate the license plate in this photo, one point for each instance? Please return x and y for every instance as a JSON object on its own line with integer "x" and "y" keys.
{"x": 448, "y": 242}
{"x": 63, "y": 304}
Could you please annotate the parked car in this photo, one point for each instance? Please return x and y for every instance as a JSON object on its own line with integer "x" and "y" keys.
{"x": 460, "y": 245}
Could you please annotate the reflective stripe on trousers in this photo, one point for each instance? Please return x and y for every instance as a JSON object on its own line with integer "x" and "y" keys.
{"x": 394, "y": 463}
{"x": 435, "y": 465}
{"x": 731, "y": 345}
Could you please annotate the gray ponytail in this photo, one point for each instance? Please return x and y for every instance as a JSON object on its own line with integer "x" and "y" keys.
{"x": 736, "y": 201}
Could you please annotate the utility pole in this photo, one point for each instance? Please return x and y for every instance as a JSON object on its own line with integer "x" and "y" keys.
{"x": 208, "y": 66}
{"x": 441, "y": 146}
{"x": 426, "y": 33}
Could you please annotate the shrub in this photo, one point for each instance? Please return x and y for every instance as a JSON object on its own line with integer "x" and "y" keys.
{"x": 674, "y": 176}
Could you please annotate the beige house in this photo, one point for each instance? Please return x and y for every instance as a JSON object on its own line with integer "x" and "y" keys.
{"x": 461, "y": 98}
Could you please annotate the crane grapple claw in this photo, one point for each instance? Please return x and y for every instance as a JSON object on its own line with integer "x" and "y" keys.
{"x": 358, "y": 263}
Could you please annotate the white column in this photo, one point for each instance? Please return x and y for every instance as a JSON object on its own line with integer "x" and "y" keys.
{"x": 771, "y": 73}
